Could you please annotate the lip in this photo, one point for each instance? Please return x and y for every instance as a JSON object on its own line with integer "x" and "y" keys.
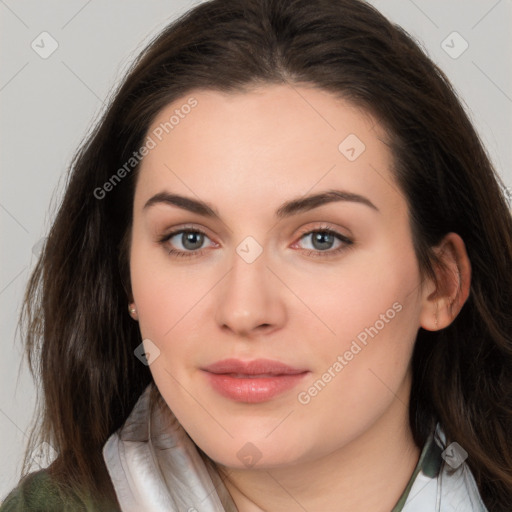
{"x": 253, "y": 381}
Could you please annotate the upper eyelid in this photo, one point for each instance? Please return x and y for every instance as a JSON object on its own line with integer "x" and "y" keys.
{"x": 344, "y": 239}
{"x": 173, "y": 232}
{"x": 308, "y": 231}
{"x": 193, "y": 227}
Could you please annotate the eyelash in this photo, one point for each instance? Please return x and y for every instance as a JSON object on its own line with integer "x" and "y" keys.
{"x": 347, "y": 242}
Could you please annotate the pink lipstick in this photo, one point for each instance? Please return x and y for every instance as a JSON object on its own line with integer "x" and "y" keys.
{"x": 252, "y": 381}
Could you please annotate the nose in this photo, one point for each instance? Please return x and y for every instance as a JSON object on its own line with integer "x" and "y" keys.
{"x": 250, "y": 299}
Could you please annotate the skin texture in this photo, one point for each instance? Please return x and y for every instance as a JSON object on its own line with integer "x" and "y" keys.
{"x": 246, "y": 154}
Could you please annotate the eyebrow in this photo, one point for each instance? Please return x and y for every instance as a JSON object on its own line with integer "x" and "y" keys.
{"x": 287, "y": 209}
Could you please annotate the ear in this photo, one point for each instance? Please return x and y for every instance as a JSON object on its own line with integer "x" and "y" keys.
{"x": 443, "y": 300}
{"x": 132, "y": 310}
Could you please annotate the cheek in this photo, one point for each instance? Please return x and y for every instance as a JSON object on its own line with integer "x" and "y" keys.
{"x": 373, "y": 322}
{"x": 361, "y": 373}
{"x": 169, "y": 305}
{"x": 364, "y": 293}
{"x": 163, "y": 294}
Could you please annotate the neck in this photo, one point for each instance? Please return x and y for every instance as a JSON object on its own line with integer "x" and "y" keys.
{"x": 370, "y": 473}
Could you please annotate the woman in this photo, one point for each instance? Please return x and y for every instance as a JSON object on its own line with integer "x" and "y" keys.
{"x": 280, "y": 276}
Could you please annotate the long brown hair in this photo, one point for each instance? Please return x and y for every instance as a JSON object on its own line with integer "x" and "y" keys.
{"x": 79, "y": 337}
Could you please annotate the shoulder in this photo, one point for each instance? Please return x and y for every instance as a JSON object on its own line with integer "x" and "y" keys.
{"x": 33, "y": 490}
{"x": 38, "y": 492}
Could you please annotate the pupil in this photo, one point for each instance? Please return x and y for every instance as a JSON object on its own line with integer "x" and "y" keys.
{"x": 323, "y": 238}
{"x": 190, "y": 237}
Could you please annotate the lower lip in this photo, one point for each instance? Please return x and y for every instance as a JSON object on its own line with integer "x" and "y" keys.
{"x": 253, "y": 389}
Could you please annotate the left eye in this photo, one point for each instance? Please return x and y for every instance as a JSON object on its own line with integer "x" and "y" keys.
{"x": 323, "y": 240}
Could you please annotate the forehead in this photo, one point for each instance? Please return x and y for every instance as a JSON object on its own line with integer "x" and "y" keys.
{"x": 272, "y": 140}
{"x": 295, "y": 113}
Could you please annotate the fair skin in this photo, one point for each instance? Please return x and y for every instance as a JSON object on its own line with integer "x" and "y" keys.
{"x": 245, "y": 155}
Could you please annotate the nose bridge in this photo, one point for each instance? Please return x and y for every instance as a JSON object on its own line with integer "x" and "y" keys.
{"x": 250, "y": 297}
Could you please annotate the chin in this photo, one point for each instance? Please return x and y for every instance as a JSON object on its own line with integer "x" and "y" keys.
{"x": 256, "y": 454}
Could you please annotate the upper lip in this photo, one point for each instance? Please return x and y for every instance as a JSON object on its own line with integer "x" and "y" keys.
{"x": 254, "y": 367}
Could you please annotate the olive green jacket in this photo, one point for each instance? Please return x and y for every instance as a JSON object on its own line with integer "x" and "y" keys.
{"x": 38, "y": 492}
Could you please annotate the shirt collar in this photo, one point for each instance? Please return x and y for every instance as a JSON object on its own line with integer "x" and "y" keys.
{"x": 156, "y": 467}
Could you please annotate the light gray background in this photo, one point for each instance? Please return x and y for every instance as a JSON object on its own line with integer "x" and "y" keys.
{"x": 49, "y": 104}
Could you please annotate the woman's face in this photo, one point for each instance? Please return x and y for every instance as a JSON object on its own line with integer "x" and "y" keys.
{"x": 324, "y": 288}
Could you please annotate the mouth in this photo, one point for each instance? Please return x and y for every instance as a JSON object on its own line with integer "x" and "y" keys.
{"x": 254, "y": 381}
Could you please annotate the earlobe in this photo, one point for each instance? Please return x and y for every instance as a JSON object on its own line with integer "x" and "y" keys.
{"x": 133, "y": 311}
{"x": 453, "y": 281}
